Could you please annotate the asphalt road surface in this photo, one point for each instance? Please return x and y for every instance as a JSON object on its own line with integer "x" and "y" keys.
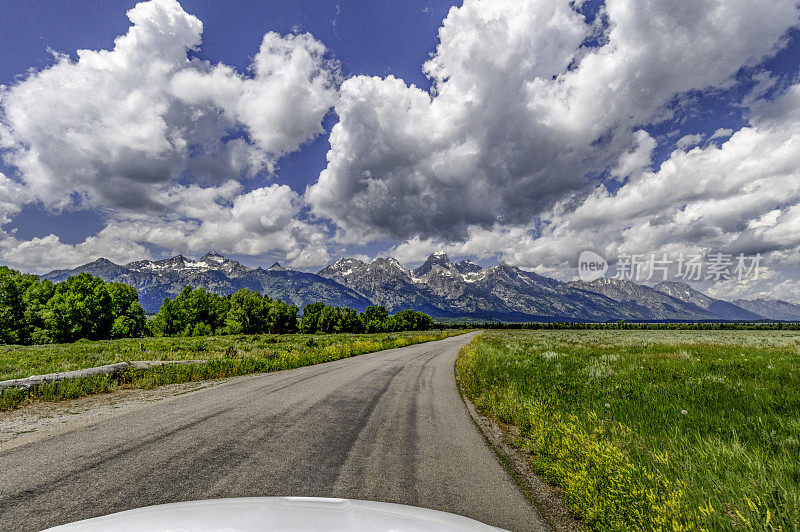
{"x": 387, "y": 426}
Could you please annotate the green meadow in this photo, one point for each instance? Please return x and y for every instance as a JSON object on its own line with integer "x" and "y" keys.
{"x": 652, "y": 430}
{"x": 224, "y": 356}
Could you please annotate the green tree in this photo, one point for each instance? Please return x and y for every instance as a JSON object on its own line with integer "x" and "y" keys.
{"x": 349, "y": 321}
{"x": 182, "y": 315}
{"x": 171, "y": 319}
{"x": 375, "y": 319}
{"x": 125, "y": 327}
{"x": 377, "y": 313}
{"x": 309, "y": 324}
{"x": 422, "y": 322}
{"x": 200, "y": 329}
{"x": 80, "y": 308}
{"x": 328, "y": 321}
{"x": 401, "y": 321}
{"x": 409, "y": 320}
{"x": 83, "y": 306}
{"x": 129, "y": 318}
{"x": 12, "y": 307}
{"x": 282, "y": 318}
{"x": 247, "y": 313}
{"x": 37, "y": 294}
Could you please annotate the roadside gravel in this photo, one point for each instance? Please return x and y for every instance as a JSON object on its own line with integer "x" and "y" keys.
{"x": 42, "y": 419}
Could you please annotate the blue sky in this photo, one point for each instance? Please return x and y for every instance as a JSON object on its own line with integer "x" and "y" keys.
{"x": 507, "y": 130}
{"x": 377, "y": 38}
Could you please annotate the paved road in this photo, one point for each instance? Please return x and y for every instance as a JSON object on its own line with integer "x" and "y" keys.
{"x": 388, "y": 427}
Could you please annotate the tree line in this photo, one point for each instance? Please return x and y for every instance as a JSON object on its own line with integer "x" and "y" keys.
{"x": 318, "y": 317}
{"x": 197, "y": 312}
{"x": 36, "y": 311}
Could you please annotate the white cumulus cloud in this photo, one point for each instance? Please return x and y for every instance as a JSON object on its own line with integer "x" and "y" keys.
{"x": 521, "y": 111}
{"x": 115, "y": 124}
{"x": 161, "y": 143}
{"x": 742, "y": 196}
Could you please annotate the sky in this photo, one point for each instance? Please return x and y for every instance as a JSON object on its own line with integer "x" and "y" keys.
{"x": 519, "y": 131}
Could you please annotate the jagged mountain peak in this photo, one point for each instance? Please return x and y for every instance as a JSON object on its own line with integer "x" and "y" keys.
{"x": 179, "y": 259}
{"x": 506, "y": 269}
{"x": 386, "y": 262}
{"x": 505, "y": 272}
{"x": 612, "y": 285}
{"x": 103, "y": 261}
{"x": 214, "y": 260}
{"x": 467, "y": 266}
{"x": 510, "y": 267}
{"x": 213, "y": 256}
{"x": 170, "y": 262}
{"x": 654, "y": 303}
{"x": 438, "y": 259}
{"x": 348, "y": 260}
{"x": 344, "y": 269}
{"x": 276, "y": 267}
{"x": 347, "y": 266}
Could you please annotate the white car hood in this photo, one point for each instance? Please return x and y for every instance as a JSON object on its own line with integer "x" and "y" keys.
{"x": 277, "y": 513}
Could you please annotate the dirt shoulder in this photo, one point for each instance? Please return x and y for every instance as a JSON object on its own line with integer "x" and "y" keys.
{"x": 38, "y": 420}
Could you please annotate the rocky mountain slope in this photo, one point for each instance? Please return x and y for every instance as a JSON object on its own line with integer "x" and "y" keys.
{"x": 650, "y": 303}
{"x": 439, "y": 287}
{"x": 722, "y": 309}
{"x": 772, "y": 309}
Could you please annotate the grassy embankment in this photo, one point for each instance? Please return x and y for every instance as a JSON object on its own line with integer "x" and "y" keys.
{"x": 226, "y": 356}
{"x": 652, "y": 430}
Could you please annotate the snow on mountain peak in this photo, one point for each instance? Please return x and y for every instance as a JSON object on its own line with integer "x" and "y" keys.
{"x": 214, "y": 257}
{"x": 386, "y": 260}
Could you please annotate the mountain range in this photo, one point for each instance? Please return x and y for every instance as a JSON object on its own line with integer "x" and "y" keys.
{"x": 156, "y": 280}
{"x": 439, "y": 287}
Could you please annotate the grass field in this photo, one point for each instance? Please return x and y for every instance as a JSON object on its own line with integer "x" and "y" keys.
{"x": 652, "y": 430}
{"x": 226, "y": 356}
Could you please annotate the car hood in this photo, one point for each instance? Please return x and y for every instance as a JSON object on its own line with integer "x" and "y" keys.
{"x": 278, "y": 513}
